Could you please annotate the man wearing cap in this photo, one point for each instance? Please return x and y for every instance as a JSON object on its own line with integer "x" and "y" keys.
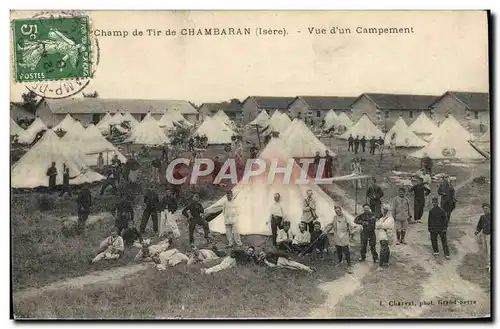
{"x": 401, "y": 213}
{"x": 385, "y": 227}
{"x": 374, "y": 195}
{"x": 484, "y": 228}
{"x": 421, "y": 191}
{"x": 367, "y": 220}
{"x": 447, "y": 193}
{"x": 437, "y": 225}
{"x": 342, "y": 229}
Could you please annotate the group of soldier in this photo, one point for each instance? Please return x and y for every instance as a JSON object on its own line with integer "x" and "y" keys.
{"x": 354, "y": 144}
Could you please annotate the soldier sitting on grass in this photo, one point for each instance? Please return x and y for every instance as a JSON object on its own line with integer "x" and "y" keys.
{"x": 111, "y": 248}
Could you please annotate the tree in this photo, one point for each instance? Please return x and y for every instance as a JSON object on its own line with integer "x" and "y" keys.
{"x": 30, "y": 101}
{"x": 94, "y": 94}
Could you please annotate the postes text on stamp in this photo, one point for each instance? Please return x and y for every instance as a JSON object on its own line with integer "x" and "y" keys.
{"x": 52, "y": 49}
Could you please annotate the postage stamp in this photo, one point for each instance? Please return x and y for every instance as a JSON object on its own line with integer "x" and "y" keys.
{"x": 48, "y": 49}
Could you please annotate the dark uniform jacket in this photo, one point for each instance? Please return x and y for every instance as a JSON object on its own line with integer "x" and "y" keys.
{"x": 374, "y": 193}
{"x": 151, "y": 200}
{"x": 84, "y": 199}
{"x": 169, "y": 203}
{"x": 438, "y": 220}
{"x": 484, "y": 224}
{"x": 242, "y": 258}
{"x": 195, "y": 208}
{"x": 367, "y": 221}
{"x": 124, "y": 207}
{"x": 421, "y": 191}
{"x": 272, "y": 257}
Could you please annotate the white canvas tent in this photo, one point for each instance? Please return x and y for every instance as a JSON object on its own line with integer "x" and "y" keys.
{"x": 166, "y": 121}
{"x": 116, "y": 119}
{"x": 404, "y": 137}
{"x": 301, "y": 142}
{"x": 127, "y": 117}
{"x": 424, "y": 126}
{"x": 344, "y": 120}
{"x": 15, "y": 129}
{"x": 452, "y": 125}
{"x": 221, "y": 115}
{"x": 74, "y": 134}
{"x": 364, "y": 127}
{"x": 261, "y": 120}
{"x": 148, "y": 132}
{"x": 66, "y": 124}
{"x": 104, "y": 124}
{"x": 451, "y": 141}
{"x": 31, "y": 170}
{"x": 341, "y": 120}
{"x": 177, "y": 116}
{"x": 92, "y": 143}
{"x": 254, "y": 199}
{"x": 216, "y": 131}
{"x": 279, "y": 122}
{"x": 27, "y": 136}
{"x": 330, "y": 119}
{"x": 485, "y": 138}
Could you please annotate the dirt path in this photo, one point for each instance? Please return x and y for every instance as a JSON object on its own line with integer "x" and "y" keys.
{"x": 111, "y": 277}
{"x": 444, "y": 278}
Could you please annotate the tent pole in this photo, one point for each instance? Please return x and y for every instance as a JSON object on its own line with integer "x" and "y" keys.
{"x": 356, "y": 201}
{"x": 258, "y": 136}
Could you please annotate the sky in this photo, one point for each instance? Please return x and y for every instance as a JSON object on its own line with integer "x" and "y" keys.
{"x": 447, "y": 51}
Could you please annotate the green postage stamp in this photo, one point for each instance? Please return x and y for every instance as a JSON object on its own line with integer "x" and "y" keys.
{"x": 52, "y": 49}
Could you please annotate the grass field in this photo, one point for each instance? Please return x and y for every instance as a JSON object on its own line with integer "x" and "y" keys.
{"x": 42, "y": 255}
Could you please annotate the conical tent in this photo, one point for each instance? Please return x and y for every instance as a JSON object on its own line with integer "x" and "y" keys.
{"x": 261, "y": 120}
{"x": 485, "y": 138}
{"x": 451, "y": 124}
{"x": 279, "y": 122}
{"x": 148, "y": 132}
{"x": 75, "y": 133}
{"x": 216, "y": 131}
{"x": 177, "y": 116}
{"x": 104, "y": 123}
{"x": 31, "y": 170}
{"x": 330, "y": 116}
{"x": 404, "y": 137}
{"x": 221, "y": 115}
{"x": 27, "y": 136}
{"x": 253, "y": 199}
{"x": 344, "y": 120}
{"x": 92, "y": 143}
{"x": 127, "y": 117}
{"x": 423, "y": 125}
{"x": 116, "y": 119}
{"x": 301, "y": 142}
{"x": 166, "y": 121}
{"x": 364, "y": 127}
{"x": 66, "y": 124}
{"x": 449, "y": 143}
{"x": 15, "y": 129}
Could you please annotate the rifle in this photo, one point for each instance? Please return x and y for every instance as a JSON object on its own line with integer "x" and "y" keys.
{"x": 313, "y": 213}
{"x": 312, "y": 244}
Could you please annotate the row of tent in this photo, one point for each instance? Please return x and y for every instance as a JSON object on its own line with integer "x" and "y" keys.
{"x": 147, "y": 132}
{"x": 78, "y": 150}
{"x": 450, "y": 140}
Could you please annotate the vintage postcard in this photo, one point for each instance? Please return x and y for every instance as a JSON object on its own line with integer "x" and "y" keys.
{"x": 250, "y": 164}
